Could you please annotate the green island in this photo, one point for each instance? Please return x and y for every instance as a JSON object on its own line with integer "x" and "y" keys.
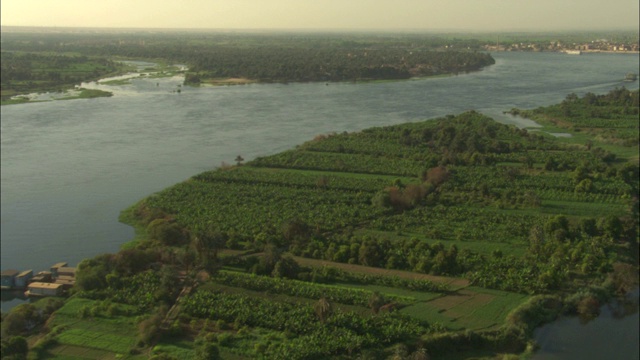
{"x": 36, "y": 62}
{"x": 451, "y": 238}
{"x": 30, "y": 72}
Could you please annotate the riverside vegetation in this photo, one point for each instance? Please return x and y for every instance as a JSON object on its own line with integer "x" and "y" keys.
{"x": 25, "y": 72}
{"x": 448, "y": 238}
{"x": 37, "y": 62}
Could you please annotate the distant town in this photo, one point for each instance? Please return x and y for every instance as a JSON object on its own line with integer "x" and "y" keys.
{"x": 600, "y": 45}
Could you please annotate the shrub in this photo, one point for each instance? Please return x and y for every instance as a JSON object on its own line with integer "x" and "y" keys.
{"x": 588, "y": 307}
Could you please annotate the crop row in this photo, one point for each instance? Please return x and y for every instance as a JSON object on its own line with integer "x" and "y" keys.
{"x": 291, "y": 178}
{"x": 580, "y": 197}
{"x": 464, "y": 223}
{"x": 466, "y": 178}
{"x": 355, "y": 163}
{"x": 251, "y": 209}
{"x": 339, "y": 333}
{"x": 140, "y": 290}
{"x": 301, "y": 289}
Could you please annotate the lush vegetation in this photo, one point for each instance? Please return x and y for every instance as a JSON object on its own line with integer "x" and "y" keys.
{"x": 427, "y": 238}
{"x": 611, "y": 118}
{"x": 539, "y": 214}
{"x": 24, "y": 73}
{"x": 242, "y": 57}
{"x": 508, "y": 188}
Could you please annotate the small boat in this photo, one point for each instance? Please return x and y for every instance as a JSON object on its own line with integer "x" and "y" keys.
{"x": 631, "y": 77}
{"x": 573, "y": 52}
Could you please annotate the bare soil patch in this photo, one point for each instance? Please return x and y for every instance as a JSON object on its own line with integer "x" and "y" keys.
{"x": 230, "y": 81}
{"x": 468, "y": 307}
{"x": 449, "y": 301}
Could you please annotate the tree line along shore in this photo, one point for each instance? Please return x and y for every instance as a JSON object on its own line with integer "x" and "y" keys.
{"x": 36, "y": 62}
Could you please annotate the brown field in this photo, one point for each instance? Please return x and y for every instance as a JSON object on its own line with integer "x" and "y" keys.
{"x": 229, "y": 81}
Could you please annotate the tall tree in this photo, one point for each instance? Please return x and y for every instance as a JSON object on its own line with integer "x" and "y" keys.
{"x": 207, "y": 243}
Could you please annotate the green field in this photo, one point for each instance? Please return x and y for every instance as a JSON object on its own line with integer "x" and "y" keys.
{"x": 97, "y": 335}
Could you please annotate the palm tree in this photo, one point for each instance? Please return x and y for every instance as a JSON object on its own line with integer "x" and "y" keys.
{"x": 323, "y": 309}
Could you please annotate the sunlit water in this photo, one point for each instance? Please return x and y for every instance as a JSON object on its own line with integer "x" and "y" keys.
{"x": 69, "y": 167}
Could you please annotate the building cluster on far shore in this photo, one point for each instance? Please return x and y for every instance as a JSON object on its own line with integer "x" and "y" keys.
{"x": 601, "y": 45}
{"x": 54, "y": 282}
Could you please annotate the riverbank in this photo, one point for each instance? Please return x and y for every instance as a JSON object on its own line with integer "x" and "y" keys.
{"x": 37, "y": 73}
{"x": 79, "y": 93}
{"x": 578, "y": 338}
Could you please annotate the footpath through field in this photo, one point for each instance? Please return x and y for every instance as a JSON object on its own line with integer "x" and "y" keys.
{"x": 454, "y": 283}
{"x": 464, "y": 307}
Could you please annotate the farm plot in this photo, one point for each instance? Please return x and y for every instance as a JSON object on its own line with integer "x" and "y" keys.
{"x": 98, "y": 339}
{"x": 115, "y": 335}
{"x": 70, "y": 352}
{"x": 470, "y": 308}
{"x": 453, "y": 283}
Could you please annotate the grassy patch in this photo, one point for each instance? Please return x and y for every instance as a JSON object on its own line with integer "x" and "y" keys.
{"x": 116, "y": 82}
{"x": 581, "y": 208}
{"x": 18, "y": 100}
{"x": 472, "y": 308}
{"x": 409, "y": 294}
{"x": 100, "y": 340}
{"x": 115, "y": 334}
{"x": 180, "y": 348}
{"x": 89, "y": 94}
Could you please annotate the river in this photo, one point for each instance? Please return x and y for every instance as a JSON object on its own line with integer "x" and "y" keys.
{"x": 69, "y": 167}
{"x": 612, "y": 335}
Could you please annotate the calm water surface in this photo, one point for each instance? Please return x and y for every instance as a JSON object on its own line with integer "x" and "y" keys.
{"x": 69, "y": 167}
{"x": 612, "y": 335}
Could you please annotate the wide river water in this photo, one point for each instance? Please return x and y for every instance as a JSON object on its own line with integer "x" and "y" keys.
{"x": 69, "y": 167}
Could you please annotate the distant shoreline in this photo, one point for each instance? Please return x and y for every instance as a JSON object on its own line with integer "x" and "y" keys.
{"x": 563, "y": 51}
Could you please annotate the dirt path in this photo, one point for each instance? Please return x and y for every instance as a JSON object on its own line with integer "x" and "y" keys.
{"x": 172, "y": 314}
{"x": 454, "y": 283}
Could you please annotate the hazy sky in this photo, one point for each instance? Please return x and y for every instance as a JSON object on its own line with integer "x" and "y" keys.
{"x": 480, "y": 15}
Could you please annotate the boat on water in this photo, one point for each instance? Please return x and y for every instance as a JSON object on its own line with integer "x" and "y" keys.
{"x": 631, "y": 77}
{"x": 573, "y": 52}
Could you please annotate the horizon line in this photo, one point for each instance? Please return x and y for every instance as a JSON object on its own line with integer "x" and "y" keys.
{"x": 388, "y": 30}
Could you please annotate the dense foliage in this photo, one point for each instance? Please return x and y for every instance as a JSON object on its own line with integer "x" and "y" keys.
{"x": 23, "y": 73}
{"x": 497, "y": 196}
{"x": 271, "y": 57}
{"x": 612, "y": 117}
{"x": 340, "y": 333}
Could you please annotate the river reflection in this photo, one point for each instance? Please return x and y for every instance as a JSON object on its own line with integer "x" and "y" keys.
{"x": 11, "y": 298}
{"x": 576, "y": 338}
